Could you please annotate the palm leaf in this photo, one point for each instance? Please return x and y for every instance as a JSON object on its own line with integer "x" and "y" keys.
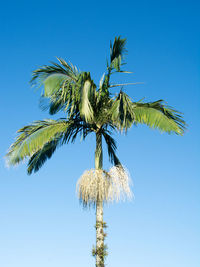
{"x": 53, "y": 83}
{"x": 77, "y": 126}
{"x": 112, "y": 147}
{"x": 121, "y": 112}
{"x": 117, "y": 51}
{"x": 157, "y": 115}
{"x": 124, "y": 84}
{"x": 39, "y": 140}
{"x": 55, "y": 76}
{"x": 39, "y": 158}
{"x": 33, "y": 137}
{"x": 87, "y": 94}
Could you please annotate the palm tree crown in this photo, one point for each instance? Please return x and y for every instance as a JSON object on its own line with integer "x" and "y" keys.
{"x": 88, "y": 108}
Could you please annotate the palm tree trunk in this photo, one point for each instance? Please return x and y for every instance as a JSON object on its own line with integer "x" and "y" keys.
{"x": 99, "y": 207}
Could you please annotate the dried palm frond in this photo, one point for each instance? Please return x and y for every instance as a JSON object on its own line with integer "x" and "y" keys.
{"x": 104, "y": 186}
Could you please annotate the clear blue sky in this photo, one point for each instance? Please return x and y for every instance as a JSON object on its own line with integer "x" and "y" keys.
{"x": 41, "y": 221}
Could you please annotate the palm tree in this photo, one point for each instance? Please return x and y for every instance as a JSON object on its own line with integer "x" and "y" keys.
{"x": 89, "y": 108}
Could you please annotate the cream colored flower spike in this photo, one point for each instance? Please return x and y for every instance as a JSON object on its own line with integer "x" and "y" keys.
{"x": 105, "y": 186}
{"x": 121, "y": 182}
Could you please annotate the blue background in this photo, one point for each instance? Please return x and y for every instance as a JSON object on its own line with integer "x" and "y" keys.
{"x": 41, "y": 221}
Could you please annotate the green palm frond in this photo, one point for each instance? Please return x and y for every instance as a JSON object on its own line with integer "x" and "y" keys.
{"x": 124, "y": 84}
{"x": 112, "y": 147}
{"x": 38, "y": 159}
{"x": 56, "y": 104}
{"x": 67, "y": 89}
{"x": 55, "y": 76}
{"x": 33, "y": 137}
{"x": 70, "y": 68}
{"x": 64, "y": 68}
{"x": 157, "y": 115}
{"x": 77, "y": 126}
{"x": 60, "y": 100}
{"x": 117, "y": 51}
{"x": 66, "y": 99}
{"x": 101, "y": 81}
{"x": 39, "y": 140}
{"x": 86, "y": 108}
{"x": 53, "y": 83}
{"x": 87, "y": 94}
{"x": 122, "y": 112}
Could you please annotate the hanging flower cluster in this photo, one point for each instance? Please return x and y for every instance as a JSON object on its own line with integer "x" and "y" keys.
{"x": 104, "y": 186}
